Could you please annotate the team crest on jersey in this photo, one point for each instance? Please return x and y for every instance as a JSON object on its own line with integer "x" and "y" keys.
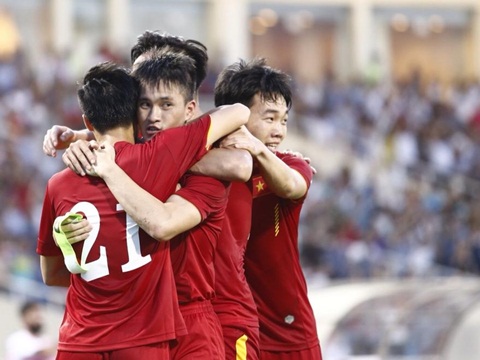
{"x": 260, "y": 187}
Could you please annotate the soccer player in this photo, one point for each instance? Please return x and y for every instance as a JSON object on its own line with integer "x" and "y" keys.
{"x": 148, "y": 43}
{"x": 192, "y": 259}
{"x": 280, "y": 184}
{"x": 192, "y": 253}
{"x": 226, "y": 165}
{"x": 123, "y": 302}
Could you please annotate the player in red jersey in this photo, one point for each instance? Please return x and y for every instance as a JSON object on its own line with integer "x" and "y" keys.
{"x": 225, "y": 165}
{"x": 124, "y": 302}
{"x": 192, "y": 253}
{"x": 192, "y": 258}
{"x": 280, "y": 184}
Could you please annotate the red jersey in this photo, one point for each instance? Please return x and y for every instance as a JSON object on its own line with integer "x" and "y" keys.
{"x": 272, "y": 267}
{"x": 234, "y": 302}
{"x": 192, "y": 252}
{"x": 127, "y": 296}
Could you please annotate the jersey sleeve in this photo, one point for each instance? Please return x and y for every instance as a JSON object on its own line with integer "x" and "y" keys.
{"x": 186, "y": 144}
{"x": 298, "y": 164}
{"x": 209, "y": 195}
{"x": 45, "y": 244}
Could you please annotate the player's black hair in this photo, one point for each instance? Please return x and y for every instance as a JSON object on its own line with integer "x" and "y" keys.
{"x": 108, "y": 97}
{"x": 170, "y": 68}
{"x": 242, "y": 80}
{"x": 156, "y": 40}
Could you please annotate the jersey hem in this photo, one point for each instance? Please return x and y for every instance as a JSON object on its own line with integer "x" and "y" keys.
{"x": 117, "y": 346}
{"x": 289, "y": 347}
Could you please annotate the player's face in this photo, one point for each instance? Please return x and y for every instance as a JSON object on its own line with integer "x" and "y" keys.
{"x": 161, "y": 108}
{"x": 268, "y": 121}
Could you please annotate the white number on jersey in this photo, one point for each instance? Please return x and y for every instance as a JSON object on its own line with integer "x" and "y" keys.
{"x": 99, "y": 268}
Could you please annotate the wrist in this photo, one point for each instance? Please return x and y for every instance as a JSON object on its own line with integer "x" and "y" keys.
{"x": 107, "y": 171}
{"x": 75, "y": 136}
{"x": 261, "y": 150}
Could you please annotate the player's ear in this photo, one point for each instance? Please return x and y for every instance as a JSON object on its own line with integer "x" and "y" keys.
{"x": 87, "y": 123}
{"x": 190, "y": 110}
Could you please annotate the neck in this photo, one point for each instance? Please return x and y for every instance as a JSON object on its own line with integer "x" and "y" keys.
{"x": 115, "y": 135}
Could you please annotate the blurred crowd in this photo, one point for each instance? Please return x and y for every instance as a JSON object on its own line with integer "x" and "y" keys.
{"x": 404, "y": 204}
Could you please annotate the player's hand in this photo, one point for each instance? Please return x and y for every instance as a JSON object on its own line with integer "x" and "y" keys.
{"x": 80, "y": 157}
{"x": 242, "y": 139}
{"x": 301, "y": 156}
{"x": 57, "y": 138}
{"x": 76, "y": 231}
{"x": 105, "y": 155}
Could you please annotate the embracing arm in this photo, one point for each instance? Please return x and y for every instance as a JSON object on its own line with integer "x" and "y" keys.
{"x": 226, "y": 164}
{"x": 162, "y": 221}
{"x": 54, "y": 272}
{"x": 225, "y": 119}
{"x": 59, "y": 137}
{"x": 78, "y": 155}
{"x": 284, "y": 181}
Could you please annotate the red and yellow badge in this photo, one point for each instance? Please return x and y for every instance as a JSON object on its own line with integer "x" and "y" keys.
{"x": 260, "y": 187}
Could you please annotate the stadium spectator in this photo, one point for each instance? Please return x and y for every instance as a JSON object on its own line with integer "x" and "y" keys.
{"x": 29, "y": 343}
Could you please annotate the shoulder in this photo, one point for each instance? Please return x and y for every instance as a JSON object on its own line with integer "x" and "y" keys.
{"x": 62, "y": 176}
{"x": 202, "y": 121}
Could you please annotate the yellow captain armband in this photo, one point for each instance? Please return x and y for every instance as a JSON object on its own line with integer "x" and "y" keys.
{"x": 61, "y": 240}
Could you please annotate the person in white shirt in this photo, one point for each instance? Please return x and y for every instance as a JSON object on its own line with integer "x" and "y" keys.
{"x": 29, "y": 343}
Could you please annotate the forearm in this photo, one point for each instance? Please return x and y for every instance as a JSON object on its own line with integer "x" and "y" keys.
{"x": 84, "y": 134}
{"x": 54, "y": 272}
{"x": 280, "y": 178}
{"x": 162, "y": 221}
{"x": 146, "y": 210}
{"x": 225, "y": 164}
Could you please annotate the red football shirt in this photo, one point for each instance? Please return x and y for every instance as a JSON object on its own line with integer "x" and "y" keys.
{"x": 273, "y": 270}
{"x": 192, "y": 252}
{"x": 127, "y": 296}
{"x": 234, "y": 302}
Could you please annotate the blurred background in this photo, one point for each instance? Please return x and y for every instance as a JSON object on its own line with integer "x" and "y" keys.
{"x": 387, "y": 107}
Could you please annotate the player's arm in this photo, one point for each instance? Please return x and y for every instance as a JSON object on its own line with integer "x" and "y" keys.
{"x": 59, "y": 137}
{"x": 162, "y": 221}
{"x": 79, "y": 156}
{"x": 226, "y": 164}
{"x": 54, "y": 272}
{"x": 226, "y": 119}
{"x": 284, "y": 181}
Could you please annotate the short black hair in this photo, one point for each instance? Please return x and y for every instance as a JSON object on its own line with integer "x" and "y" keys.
{"x": 151, "y": 40}
{"x": 108, "y": 96}
{"x": 241, "y": 81}
{"x": 170, "y": 68}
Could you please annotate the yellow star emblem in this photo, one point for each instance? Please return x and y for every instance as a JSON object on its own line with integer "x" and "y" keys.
{"x": 260, "y": 186}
